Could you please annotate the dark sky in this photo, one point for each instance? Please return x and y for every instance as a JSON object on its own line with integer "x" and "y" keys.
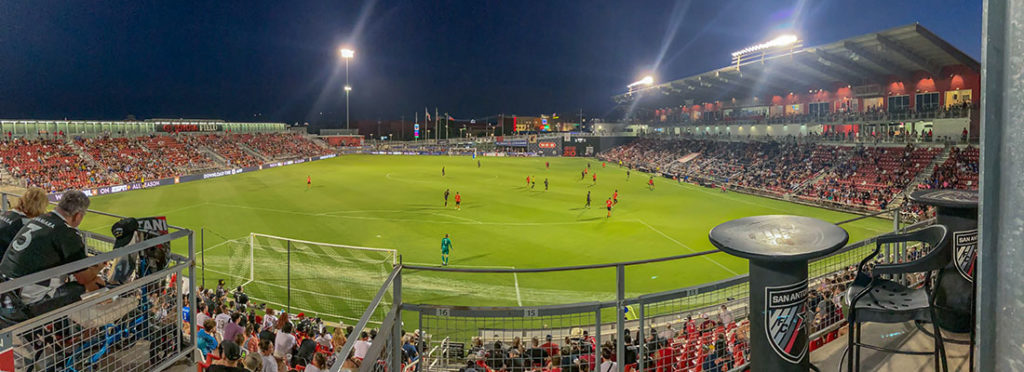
{"x": 236, "y": 59}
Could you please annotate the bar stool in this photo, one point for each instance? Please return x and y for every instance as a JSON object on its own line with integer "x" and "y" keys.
{"x": 875, "y": 299}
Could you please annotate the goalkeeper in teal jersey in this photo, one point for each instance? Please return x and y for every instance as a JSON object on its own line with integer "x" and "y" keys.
{"x": 446, "y": 247}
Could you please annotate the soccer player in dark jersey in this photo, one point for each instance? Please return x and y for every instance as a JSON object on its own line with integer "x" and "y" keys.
{"x": 608, "y": 204}
{"x": 48, "y": 241}
{"x": 588, "y": 199}
{"x": 478, "y": 164}
{"x": 583, "y": 174}
{"x": 442, "y": 171}
{"x": 627, "y": 174}
{"x": 446, "y": 193}
{"x": 545, "y": 184}
{"x": 29, "y": 206}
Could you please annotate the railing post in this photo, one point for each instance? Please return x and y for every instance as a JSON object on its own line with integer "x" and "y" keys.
{"x": 395, "y": 364}
{"x": 597, "y": 336}
{"x": 620, "y": 316}
{"x": 641, "y": 335}
{"x": 191, "y": 291}
{"x": 202, "y": 253}
{"x": 289, "y": 273}
{"x": 3, "y": 203}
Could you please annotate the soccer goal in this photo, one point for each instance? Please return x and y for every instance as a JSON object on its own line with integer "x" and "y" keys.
{"x": 332, "y": 281}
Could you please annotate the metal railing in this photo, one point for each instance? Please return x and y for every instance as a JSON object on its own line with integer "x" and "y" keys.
{"x": 691, "y": 327}
{"x": 135, "y": 326}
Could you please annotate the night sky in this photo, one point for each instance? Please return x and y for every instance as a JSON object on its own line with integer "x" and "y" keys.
{"x": 278, "y": 60}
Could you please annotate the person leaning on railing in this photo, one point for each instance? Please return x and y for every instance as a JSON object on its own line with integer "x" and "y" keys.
{"x": 45, "y": 242}
{"x": 29, "y": 206}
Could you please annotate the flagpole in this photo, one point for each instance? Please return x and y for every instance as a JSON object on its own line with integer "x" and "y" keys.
{"x": 437, "y": 130}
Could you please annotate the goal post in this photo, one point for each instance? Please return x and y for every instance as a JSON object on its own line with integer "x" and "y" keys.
{"x": 331, "y": 281}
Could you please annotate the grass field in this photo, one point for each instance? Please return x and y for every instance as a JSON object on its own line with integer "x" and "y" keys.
{"x": 396, "y": 202}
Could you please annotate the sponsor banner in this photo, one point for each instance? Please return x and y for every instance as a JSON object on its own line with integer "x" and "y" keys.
{"x": 174, "y": 128}
{"x": 106, "y": 190}
{"x": 965, "y": 252}
{"x": 547, "y": 145}
{"x": 784, "y": 320}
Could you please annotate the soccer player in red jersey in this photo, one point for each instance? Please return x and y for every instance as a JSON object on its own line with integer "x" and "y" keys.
{"x": 458, "y": 201}
{"x": 608, "y": 204}
{"x": 650, "y": 183}
{"x": 595, "y": 178}
{"x": 309, "y": 182}
{"x": 615, "y": 197}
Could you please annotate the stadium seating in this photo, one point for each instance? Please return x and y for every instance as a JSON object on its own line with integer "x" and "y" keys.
{"x": 52, "y": 165}
{"x": 959, "y": 171}
{"x": 57, "y": 164}
{"x": 863, "y": 177}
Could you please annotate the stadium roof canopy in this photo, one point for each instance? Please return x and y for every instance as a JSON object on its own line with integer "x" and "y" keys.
{"x": 878, "y": 58}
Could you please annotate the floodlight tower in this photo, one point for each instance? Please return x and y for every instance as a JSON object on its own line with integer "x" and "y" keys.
{"x": 347, "y": 54}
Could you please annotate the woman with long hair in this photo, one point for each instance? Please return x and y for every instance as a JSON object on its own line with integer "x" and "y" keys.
{"x": 28, "y": 206}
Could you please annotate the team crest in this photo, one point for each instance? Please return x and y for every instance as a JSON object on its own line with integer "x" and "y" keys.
{"x": 965, "y": 252}
{"x": 784, "y": 320}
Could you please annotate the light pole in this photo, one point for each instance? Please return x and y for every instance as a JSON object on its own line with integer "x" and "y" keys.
{"x": 347, "y": 54}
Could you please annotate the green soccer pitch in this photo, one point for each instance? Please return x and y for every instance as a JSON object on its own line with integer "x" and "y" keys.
{"x": 396, "y": 202}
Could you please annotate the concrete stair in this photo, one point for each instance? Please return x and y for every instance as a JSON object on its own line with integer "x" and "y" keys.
{"x": 253, "y": 152}
{"x": 922, "y": 176}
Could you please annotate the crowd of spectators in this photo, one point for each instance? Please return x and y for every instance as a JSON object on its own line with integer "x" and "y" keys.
{"x": 870, "y": 177}
{"x": 226, "y": 146}
{"x": 776, "y": 167}
{"x": 712, "y": 342}
{"x": 959, "y": 171}
{"x": 136, "y": 159}
{"x": 51, "y": 164}
{"x": 56, "y": 164}
{"x": 280, "y": 145}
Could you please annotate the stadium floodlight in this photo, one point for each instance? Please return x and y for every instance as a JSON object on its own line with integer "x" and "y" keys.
{"x": 347, "y": 54}
{"x": 647, "y": 80}
{"x": 781, "y": 41}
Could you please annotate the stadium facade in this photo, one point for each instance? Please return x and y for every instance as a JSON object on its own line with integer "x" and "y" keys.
{"x": 904, "y": 79}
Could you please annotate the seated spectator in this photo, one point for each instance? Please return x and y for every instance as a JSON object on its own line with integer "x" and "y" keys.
{"x": 29, "y": 206}
{"x": 230, "y": 359}
{"x": 45, "y": 242}
{"x": 318, "y": 364}
{"x": 206, "y": 340}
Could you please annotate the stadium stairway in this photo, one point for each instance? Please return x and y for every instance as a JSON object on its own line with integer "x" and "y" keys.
{"x": 924, "y": 174}
{"x": 217, "y": 158}
{"x": 252, "y": 152}
{"x": 82, "y": 153}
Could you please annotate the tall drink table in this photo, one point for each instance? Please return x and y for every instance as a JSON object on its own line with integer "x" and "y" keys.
{"x": 778, "y": 248}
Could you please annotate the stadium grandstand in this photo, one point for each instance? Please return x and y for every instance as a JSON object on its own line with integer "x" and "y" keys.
{"x": 886, "y": 118}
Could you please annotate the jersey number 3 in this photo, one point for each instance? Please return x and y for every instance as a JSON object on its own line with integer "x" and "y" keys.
{"x": 23, "y": 240}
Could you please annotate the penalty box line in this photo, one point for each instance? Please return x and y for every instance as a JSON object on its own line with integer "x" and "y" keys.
{"x": 687, "y": 247}
{"x": 515, "y": 276}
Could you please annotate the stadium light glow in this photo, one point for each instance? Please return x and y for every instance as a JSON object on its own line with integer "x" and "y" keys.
{"x": 347, "y": 53}
{"x": 647, "y": 80}
{"x": 780, "y": 41}
{"x": 348, "y": 88}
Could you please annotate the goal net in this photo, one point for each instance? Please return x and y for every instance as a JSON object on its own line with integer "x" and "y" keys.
{"x": 335, "y": 282}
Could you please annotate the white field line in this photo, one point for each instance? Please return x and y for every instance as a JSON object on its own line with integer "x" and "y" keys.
{"x": 687, "y": 247}
{"x": 474, "y": 222}
{"x": 519, "y": 299}
{"x": 286, "y": 287}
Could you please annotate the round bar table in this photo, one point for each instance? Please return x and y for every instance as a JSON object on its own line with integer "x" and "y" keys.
{"x": 778, "y": 248}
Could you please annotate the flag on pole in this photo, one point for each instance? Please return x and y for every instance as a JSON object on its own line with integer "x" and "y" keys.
{"x": 427, "y": 113}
